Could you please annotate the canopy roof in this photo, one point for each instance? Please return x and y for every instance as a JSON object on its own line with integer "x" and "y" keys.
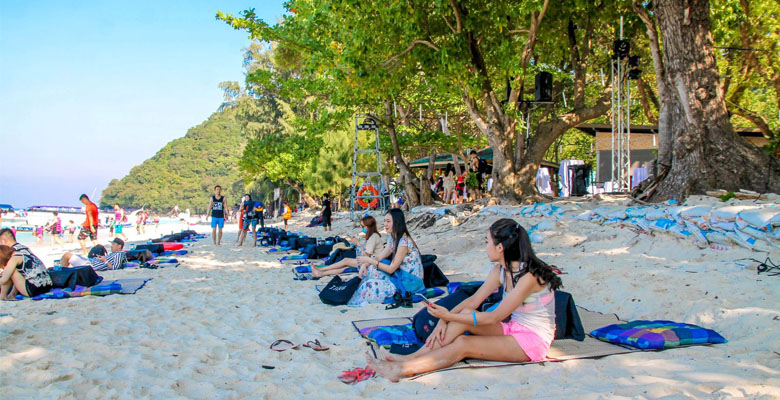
{"x": 443, "y": 159}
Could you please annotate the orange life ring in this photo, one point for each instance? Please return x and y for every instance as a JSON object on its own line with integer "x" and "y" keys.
{"x": 363, "y": 202}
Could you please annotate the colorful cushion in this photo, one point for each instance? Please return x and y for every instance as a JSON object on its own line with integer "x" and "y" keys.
{"x": 656, "y": 334}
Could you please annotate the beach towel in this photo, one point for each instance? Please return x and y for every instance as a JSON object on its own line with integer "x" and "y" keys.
{"x": 174, "y": 253}
{"x": 305, "y": 269}
{"x": 118, "y": 286}
{"x": 560, "y": 350}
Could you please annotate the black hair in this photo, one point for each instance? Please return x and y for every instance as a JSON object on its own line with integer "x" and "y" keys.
{"x": 249, "y": 197}
{"x": 517, "y": 247}
{"x": 7, "y": 231}
{"x": 217, "y": 187}
{"x": 399, "y": 227}
{"x": 326, "y": 195}
{"x": 473, "y": 152}
{"x": 83, "y": 196}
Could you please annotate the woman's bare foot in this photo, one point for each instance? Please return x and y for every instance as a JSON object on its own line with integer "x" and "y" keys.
{"x": 389, "y": 369}
{"x": 315, "y": 272}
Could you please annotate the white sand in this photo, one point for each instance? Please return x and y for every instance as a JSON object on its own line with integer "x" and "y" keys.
{"x": 202, "y": 330}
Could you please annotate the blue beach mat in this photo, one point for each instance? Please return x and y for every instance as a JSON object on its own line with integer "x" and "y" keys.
{"x": 105, "y": 288}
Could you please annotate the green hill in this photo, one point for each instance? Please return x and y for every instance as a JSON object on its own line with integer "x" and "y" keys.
{"x": 185, "y": 171}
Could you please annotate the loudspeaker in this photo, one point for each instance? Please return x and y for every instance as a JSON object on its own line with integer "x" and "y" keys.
{"x": 543, "y": 87}
{"x": 621, "y": 48}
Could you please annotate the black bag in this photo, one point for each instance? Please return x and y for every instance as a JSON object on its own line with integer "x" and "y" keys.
{"x": 567, "y": 320}
{"x": 323, "y": 250}
{"x": 98, "y": 250}
{"x": 424, "y": 323}
{"x": 70, "y": 277}
{"x": 154, "y": 248}
{"x": 340, "y": 254}
{"x": 139, "y": 255}
{"x": 338, "y": 292}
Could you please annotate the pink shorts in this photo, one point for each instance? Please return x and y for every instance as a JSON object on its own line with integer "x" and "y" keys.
{"x": 533, "y": 346}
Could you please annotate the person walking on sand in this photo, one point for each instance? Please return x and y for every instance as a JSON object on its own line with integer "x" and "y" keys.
{"x": 217, "y": 207}
{"x": 119, "y": 219}
{"x": 286, "y": 214}
{"x": 89, "y": 229}
{"x": 55, "y": 230}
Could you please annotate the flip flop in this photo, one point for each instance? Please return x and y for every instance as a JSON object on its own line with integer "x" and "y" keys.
{"x": 282, "y": 345}
{"x": 316, "y": 345}
{"x": 356, "y": 375}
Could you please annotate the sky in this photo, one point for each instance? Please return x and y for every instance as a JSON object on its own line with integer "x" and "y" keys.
{"x": 89, "y": 89}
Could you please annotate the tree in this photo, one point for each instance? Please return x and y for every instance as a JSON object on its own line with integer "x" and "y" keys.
{"x": 705, "y": 152}
{"x": 468, "y": 52}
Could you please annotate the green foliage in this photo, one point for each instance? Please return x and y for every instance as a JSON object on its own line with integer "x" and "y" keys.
{"x": 185, "y": 171}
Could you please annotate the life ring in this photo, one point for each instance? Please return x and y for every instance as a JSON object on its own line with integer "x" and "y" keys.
{"x": 363, "y": 202}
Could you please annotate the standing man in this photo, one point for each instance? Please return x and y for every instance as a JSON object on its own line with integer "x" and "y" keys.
{"x": 217, "y": 207}
{"x": 89, "y": 229}
{"x": 326, "y": 212}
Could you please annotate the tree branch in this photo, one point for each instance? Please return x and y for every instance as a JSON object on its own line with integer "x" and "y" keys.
{"x": 410, "y": 48}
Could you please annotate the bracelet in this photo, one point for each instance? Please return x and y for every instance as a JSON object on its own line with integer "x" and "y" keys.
{"x": 474, "y": 315}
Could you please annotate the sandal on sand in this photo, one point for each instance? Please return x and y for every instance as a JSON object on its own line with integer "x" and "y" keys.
{"x": 316, "y": 345}
{"x": 282, "y": 345}
{"x": 356, "y": 375}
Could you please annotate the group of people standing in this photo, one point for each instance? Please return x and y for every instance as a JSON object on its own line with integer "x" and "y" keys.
{"x": 452, "y": 188}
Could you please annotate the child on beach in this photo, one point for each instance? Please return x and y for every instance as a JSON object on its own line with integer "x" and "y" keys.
{"x": 119, "y": 219}
{"x": 373, "y": 245}
{"x": 528, "y": 301}
{"x": 377, "y": 284}
{"x": 71, "y": 231}
{"x": 286, "y": 214}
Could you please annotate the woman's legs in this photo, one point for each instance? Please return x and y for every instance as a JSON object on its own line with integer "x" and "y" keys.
{"x": 492, "y": 348}
{"x": 453, "y": 331}
{"x": 254, "y": 231}
{"x": 242, "y": 236}
{"x": 334, "y": 269}
{"x": 19, "y": 284}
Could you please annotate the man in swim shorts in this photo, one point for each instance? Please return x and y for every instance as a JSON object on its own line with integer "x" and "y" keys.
{"x": 217, "y": 208}
{"x": 89, "y": 229}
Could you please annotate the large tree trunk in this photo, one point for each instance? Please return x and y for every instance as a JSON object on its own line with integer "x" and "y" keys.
{"x": 706, "y": 152}
{"x": 664, "y": 158}
{"x": 409, "y": 178}
{"x": 302, "y": 192}
{"x": 426, "y": 195}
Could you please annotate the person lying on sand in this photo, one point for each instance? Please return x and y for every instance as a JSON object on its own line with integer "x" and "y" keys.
{"x": 372, "y": 246}
{"x": 21, "y": 268}
{"x": 113, "y": 260}
{"x": 406, "y": 264}
{"x": 528, "y": 303}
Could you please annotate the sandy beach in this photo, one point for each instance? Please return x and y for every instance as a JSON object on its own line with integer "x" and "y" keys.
{"x": 202, "y": 330}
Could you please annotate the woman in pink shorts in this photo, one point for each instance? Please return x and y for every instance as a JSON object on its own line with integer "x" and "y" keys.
{"x": 521, "y": 328}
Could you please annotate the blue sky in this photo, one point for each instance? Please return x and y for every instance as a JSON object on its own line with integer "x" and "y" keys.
{"x": 89, "y": 89}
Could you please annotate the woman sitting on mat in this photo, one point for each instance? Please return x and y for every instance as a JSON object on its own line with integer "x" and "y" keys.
{"x": 528, "y": 302}
{"x": 24, "y": 271}
{"x": 405, "y": 265}
{"x": 373, "y": 245}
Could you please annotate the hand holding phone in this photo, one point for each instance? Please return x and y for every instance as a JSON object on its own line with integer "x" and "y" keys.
{"x": 424, "y": 299}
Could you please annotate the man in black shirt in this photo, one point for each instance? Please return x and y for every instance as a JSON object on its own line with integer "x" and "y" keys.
{"x": 326, "y": 212}
{"x": 217, "y": 209}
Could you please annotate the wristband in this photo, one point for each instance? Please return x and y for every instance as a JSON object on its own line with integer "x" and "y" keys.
{"x": 474, "y": 315}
